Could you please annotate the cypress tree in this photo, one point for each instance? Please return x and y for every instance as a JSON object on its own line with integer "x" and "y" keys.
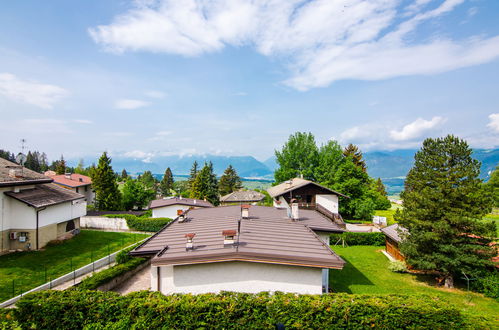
{"x": 444, "y": 202}
{"x": 166, "y": 184}
{"x": 229, "y": 181}
{"x": 193, "y": 174}
{"x": 107, "y": 194}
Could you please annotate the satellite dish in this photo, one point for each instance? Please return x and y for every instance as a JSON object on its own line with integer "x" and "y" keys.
{"x": 21, "y": 158}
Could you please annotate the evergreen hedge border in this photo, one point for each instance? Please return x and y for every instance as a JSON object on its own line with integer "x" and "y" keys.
{"x": 141, "y": 223}
{"x": 352, "y": 238}
{"x": 151, "y": 310}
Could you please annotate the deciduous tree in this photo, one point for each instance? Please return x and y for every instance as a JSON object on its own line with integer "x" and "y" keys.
{"x": 298, "y": 157}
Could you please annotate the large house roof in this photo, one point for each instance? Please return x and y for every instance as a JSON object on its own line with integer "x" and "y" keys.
{"x": 72, "y": 180}
{"x": 44, "y": 195}
{"x": 394, "y": 232}
{"x": 294, "y": 184}
{"x": 243, "y": 196}
{"x": 12, "y": 174}
{"x": 179, "y": 201}
{"x": 267, "y": 236}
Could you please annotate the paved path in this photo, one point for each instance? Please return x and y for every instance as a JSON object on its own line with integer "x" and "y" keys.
{"x": 139, "y": 281}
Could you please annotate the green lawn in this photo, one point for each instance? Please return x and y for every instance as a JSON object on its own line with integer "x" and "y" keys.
{"x": 27, "y": 269}
{"x": 367, "y": 272}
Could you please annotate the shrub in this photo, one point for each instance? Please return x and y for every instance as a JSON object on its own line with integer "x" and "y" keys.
{"x": 123, "y": 256}
{"x": 105, "y": 276}
{"x": 142, "y": 223}
{"x": 487, "y": 283}
{"x": 229, "y": 310}
{"x": 376, "y": 239}
{"x": 7, "y": 321}
{"x": 397, "y": 267}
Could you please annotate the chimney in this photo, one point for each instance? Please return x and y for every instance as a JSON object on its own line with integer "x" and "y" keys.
{"x": 80, "y": 179}
{"x": 229, "y": 237}
{"x": 194, "y": 201}
{"x": 67, "y": 176}
{"x": 181, "y": 215}
{"x": 288, "y": 183}
{"x": 295, "y": 214}
{"x": 16, "y": 172}
{"x": 245, "y": 211}
{"x": 189, "y": 244}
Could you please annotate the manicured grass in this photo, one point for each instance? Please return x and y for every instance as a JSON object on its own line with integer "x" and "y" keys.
{"x": 367, "y": 272}
{"x": 27, "y": 269}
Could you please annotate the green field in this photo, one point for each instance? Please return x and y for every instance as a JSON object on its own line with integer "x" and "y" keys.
{"x": 367, "y": 272}
{"x": 22, "y": 271}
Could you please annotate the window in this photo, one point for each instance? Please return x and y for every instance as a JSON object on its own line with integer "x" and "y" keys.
{"x": 77, "y": 190}
{"x": 86, "y": 188}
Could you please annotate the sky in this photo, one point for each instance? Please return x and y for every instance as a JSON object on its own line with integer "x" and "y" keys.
{"x": 147, "y": 78}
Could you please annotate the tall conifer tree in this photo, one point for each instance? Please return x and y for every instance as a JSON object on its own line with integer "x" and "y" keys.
{"x": 166, "y": 184}
{"x": 229, "y": 181}
{"x": 205, "y": 185}
{"x": 107, "y": 195}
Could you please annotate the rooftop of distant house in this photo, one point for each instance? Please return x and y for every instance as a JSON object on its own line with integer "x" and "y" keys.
{"x": 267, "y": 235}
{"x": 44, "y": 195}
{"x": 296, "y": 183}
{"x": 72, "y": 180}
{"x": 167, "y": 201}
{"x": 12, "y": 174}
{"x": 242, "y": 196}
{"x": 394, "y": 231}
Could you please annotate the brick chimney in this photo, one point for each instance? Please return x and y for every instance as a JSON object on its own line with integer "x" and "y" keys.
{"x": 229, "y": 236}
{"x": 245, "y": 211}
{"x": 67, "y": 176}
{"x": 180, "y": 215}
{"x": 189, "y": 244}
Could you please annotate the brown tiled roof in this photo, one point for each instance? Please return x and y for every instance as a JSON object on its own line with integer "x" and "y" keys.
{"x": 242, "y": 196}
{"x": 27, "y": 176}
{"x": 74, "y": 180}
{"x": 179, "y": 201}
{"x": 44, "y": 195}
{"x": 268, "y": 236}
{"x": 296, "y": 183}
{"x": 394, "y": 231}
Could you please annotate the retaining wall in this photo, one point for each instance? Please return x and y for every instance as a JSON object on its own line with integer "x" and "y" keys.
{"x": 104, "y": 223}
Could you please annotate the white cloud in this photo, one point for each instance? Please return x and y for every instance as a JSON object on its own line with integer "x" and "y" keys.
{"x": 416, "y": 129}
{"x": 129, "y": 104}
{"x": 494, "y": 122}
{"x": 137, "y": 154}
{"x": 155, "y": 94}
{"x": 83, "y": 121}
{"x": 321, "y": 41}
{"x": 30, "y": 92}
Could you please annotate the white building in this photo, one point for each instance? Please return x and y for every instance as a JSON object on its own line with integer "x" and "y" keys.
{"x": 170, "y": 207}
{"x": 34, "y": 211}
{"x": 80, "y": 184}
{"x": 243, "y": 249}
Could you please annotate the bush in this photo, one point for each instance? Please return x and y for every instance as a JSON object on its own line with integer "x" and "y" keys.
{"x": 397, "y": 267}
{"x": 142, "y": 223}
{"x": 487, "y": 283}
{"x": 7, "y": 321}
{"x": 229, "y": 310}
{"x": 376, "y": 239}
{"x": 105, "y": 276}
{"x": 123, "y": 256}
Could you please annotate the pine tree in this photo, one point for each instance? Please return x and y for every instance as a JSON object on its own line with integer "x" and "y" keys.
{"x": 298, "y": 157}
{"x": 205, "y": 185}
{"x": 124, "y": 174}
{"x": 193, "y": 174}
{"x": 444, "y": 202}
{"x": 356, "y": 155}
{"x": 107, "y": 195}
{"x": 229, "y": 181}
{"x": 60, "y": 166}
{"x": 166, "y": 184}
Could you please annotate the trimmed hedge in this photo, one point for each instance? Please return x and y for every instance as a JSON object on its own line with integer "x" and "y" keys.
{"x": 142, "y": 223}
{"x": 105, "y": 276}
{"x": 351, "y": 238}
{"x": 229, "y": 310}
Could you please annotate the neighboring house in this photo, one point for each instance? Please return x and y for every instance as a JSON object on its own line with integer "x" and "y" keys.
{"x": 78, "y": 183}
{"x": 393, "y": 239}
{"x": 309, "y": 195}
{"x": 243, "y": 248}
{"x": 242, "y": 197}
{"x": 170, "y": 207}
{"x": 34, "y": 211}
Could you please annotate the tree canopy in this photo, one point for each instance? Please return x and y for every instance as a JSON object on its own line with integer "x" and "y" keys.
{"x": 229, "y": 181}
{"x": 298, "y": 157}
{"x": 493, "y": 185}
{"x": 444, "y": 201}
{"x": 136, "y": 194}
{"x": 107, "y": 195}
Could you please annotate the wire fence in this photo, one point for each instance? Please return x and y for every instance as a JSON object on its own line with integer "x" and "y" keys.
{"x": 70, "y": 269}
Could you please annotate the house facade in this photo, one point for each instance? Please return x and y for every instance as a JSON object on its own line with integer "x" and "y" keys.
{"x": 170, "y": 207}
{"x": 244, "y": 249}
{"x": 33, "y": 210}
{"x": 80, "y": 184}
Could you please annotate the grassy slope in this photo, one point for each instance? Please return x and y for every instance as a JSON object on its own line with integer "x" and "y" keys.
{"x": 27, "y": 268}
{"x": 367, "y": 272}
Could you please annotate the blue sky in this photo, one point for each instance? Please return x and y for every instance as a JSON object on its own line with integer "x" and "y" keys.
{"x": 148, "y": 78}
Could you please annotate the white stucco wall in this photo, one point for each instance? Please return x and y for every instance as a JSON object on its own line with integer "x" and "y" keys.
{"x": 325, "y": 237}
{"x": 330, "y": 202}
{"x": 237, "y": 276}
{"x": 88, "y": 193}
{"x": 104, "y": 223}
{"x": 62, "y": 212}
{"x": 169, "y": 211}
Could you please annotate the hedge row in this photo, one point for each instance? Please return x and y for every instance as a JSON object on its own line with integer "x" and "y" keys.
{"x": 376, "y": 239}
{"x": 229, "y": 310}
{"x": 142, "y": 223}
{"x": 105, "y": 276}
